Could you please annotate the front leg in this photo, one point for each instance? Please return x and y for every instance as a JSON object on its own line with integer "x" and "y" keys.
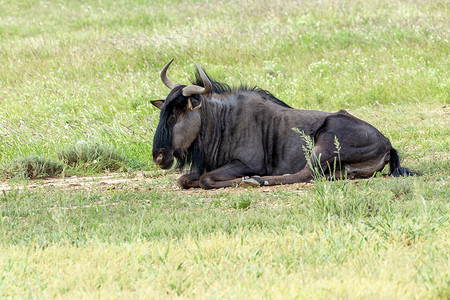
{"x": 226, "y": 176}
{"x": 188, "y": 181}
{"x": 305, "y": 175}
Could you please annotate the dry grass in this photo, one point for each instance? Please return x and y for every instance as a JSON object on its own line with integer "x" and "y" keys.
{"x": 319, "y": 265}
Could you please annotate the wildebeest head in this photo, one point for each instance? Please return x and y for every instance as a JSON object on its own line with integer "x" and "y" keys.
{"x": 179, "y": 121}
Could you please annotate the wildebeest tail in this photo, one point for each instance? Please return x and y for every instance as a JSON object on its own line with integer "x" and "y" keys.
{"x": 394, "y": 165}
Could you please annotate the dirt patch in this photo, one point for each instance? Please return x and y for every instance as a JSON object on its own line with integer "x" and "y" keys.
{"x": 123, "y": 181}
{"x": 108, "y": 181}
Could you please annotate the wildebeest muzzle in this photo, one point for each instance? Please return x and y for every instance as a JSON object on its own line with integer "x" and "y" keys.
{"x": 163, "y": 159}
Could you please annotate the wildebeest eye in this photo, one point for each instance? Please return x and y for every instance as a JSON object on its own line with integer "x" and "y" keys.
{"x": 172, "y": 119}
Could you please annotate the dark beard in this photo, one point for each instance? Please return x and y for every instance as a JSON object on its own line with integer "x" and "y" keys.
{"x": 181, "y": 156}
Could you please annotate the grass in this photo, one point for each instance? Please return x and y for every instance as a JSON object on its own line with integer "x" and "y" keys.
{"x": 393, "y": 242}
{"x": 31, "y": 167}
{"x": 92, "y": 156}
{"x": 86, "y": 71}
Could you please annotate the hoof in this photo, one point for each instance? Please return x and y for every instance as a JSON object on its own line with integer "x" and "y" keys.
{"x": 250, "y": 182}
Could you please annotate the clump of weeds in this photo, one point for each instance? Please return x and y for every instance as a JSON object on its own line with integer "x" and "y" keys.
{"x": 92, "y": 156}
{"x": 31, "y": 166}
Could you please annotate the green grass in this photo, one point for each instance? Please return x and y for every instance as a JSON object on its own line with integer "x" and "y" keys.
{"x": 31, "y": 167}
{"x": 376, "y": 238}
{"x": 92, "y": 156}
{"x": 85, "y": 71}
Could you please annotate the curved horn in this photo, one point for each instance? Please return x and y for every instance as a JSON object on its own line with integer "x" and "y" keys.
{"x": 206, "y": 82}
{"x": 195, "y": 89}
{"x": 166, "y": 80}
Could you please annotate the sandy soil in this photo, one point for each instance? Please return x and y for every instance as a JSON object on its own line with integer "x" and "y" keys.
{"x": 122, "y": 181}
{"x": 104, "y": 182}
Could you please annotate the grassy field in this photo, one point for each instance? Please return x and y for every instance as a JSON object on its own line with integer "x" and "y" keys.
{"x": 76, "y": 78}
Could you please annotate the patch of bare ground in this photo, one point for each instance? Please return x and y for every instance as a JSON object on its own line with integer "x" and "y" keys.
{"x": 139, "y": 181}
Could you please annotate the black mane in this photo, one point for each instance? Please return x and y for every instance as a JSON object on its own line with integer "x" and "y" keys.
{"x": 220, "y": 88}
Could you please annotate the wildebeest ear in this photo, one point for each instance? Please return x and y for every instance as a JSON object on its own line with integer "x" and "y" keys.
{"x": 194, "y": 104}
{"x": 157, "y": 103}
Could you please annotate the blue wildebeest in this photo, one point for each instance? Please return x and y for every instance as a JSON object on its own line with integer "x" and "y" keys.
{"x": 227, "y": 135}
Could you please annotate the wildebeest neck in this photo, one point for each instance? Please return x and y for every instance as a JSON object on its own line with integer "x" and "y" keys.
{"x": 228, "y": 122}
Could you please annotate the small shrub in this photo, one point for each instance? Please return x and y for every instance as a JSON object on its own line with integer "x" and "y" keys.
{"x": 91, "y": 155}
{"x": 31, "y": 166}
